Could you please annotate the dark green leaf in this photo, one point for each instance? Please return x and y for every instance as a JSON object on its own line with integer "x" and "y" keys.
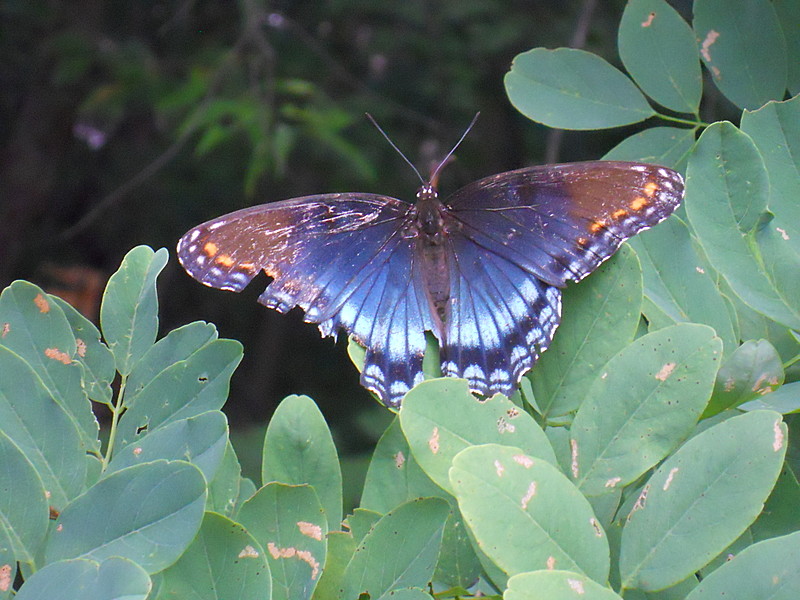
{"x": 667, "y": 146}
{"x": 600, "y": 317}
{"x": 658, "y": 49}
{"x": 573, "y": 89}
{"x": 150, "y": 514}
{"x": 401, "y": 551}
{"x": 298, "y": 449}
{"x": 742, "y": 45}
{"x": 129, "y": 312}
{"x": 81, "y": 579}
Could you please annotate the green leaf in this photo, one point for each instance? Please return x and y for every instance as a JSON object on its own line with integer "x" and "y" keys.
{"x": 742, "y": 45}
{"x": 701, "y": 484}
{"x": 780, "y": 515}
{"x": 298, "y": 448}
{"x": 410, "y": 594}
{"x": 361, "y": 522}
{"x": 400, "y": 551}
{"x": 726, "y": 197}
{"x": 458, "y": 564}
{"x": 223, "y": 561}
{"x": 178, "y": 345}
{"x": 36, "y": 329}
{"x": 525, "y": 514}
{"x": 41, "y": 428}
{"x": 441, "y": 417}
{"x": 94, "y": 355}
{"x": 129, "y": 312}
{"x": 775, "y": 131}
{"x": 573, "y": 89}
{"x": 788, "y": 12}
{"x": 764, "y": 571}
{"x": 80, "y": 579}
{"x": 289, "y": 523}
{"x": 600, "y": 318}
{"x": 341, "y": 547}
{"x": 150, "y": 514}
{"x": 223, "y": 489}
{"x": 658, "y": 49}
{"x": 643, "y": 403}
{"x": 8, "y": 560}
{"x": 556, "y": 585}
{"x": 667, "y": 146}
{"x": 23, "y": 507}
{"x": 753, "y": 370}
{"x": 785, "y": 400}
{"x": 200, "y": 440}
{"x": 184, "y": 389}
{"x": 394, "y": 476}
{"x": 678, "y": 285}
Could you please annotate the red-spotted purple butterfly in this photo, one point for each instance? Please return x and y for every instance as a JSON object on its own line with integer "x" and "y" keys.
{"x": 481, "y": 270}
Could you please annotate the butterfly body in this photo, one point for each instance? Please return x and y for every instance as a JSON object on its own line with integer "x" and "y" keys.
{"x": 481, "y": 270}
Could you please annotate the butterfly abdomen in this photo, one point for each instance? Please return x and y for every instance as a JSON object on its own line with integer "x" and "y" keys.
{"x": 433, "y": 255}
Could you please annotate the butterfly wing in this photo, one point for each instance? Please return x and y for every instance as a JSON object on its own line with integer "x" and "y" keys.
{"x": 516, "y": 237}
{"x": 559, "y": 222}
{"x": 346, "y": 260}
{"x": 501, "y": 319}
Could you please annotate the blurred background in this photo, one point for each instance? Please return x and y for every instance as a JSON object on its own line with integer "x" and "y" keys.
{"x": 126, "y": 123}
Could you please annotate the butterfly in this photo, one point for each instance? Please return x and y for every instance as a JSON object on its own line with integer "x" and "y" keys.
{"x": 482, "y": 270}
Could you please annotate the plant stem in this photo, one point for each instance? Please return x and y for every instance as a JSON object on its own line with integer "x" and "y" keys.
{"x": 112, "y": 436}
{"x": 696, "y": 123}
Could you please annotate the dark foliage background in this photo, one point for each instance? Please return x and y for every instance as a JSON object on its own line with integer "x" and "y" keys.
{"x": 127, "y": 123}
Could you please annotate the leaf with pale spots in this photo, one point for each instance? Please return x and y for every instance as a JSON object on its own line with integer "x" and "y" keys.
{"x": 441, "y": 417}
{"x": 642, "y": 404}
{"x": 556, "y": 585}
{"x": 715, "y": 480}
{"x": 36, "y": 329}
{"x": 289, "y": 523}
{"x": 223, "y": 561}
{"x": 399, "y": 552}
{"x": 525, "y": 515}
{"x": 765, "y": 571}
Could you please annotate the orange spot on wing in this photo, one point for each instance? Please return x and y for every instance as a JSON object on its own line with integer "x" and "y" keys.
{"x": 249, "y": 267}
{"x": 618, "y": 214}
{"x": 41, "y": 303}
{"x": 225, "y": 260}
{"x": 210, "y": 248}
{"x": 650, "y": 188}
{"x": 639, "y": 203}
{"x": 597, "y": 226}
{"x": 582, "y": 241}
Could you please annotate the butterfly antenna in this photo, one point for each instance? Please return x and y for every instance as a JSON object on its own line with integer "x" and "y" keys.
{"x": 388, "y": 139}
{"x": 435, "y": 173}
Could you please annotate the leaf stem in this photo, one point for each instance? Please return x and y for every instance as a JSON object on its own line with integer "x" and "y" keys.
{"x": 696, "y": 123}
{"x": 790, "y": 362}
{"x": 112, "y": 436}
